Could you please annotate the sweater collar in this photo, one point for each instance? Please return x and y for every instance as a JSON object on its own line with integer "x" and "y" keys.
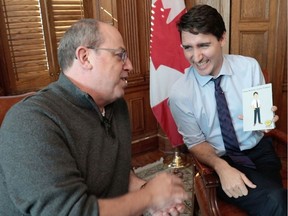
{"x": 68, "y": 90}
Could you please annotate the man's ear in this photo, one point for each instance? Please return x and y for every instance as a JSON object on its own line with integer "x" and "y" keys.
{"x": 82, "y": 55}
{"x": 223, "y": 39}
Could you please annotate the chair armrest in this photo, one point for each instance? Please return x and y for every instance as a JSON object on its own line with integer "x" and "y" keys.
{"x": 205, "y": 182}
{"x": 208, "y": 175}
{"x": 278, "y": 135}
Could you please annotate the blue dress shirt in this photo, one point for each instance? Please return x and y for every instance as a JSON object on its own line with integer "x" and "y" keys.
{"x": 193, "y": 106}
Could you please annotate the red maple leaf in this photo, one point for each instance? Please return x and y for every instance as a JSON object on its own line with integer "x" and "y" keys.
{"x": 165, "y": 40}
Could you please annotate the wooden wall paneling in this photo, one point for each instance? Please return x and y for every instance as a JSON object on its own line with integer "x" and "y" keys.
{"x": 252, "y": 30}
{"x": 137, "y": 113}
{"x": 104, "y": 10}
{"x": 280, "y": 57}
{"x": 258, "y": 30}
{"x": 144, "y": 20}
{"x": 127, "y": 25}
{"x": 189, "y": 4}
{"x": 134, "y": 25}
{"x": 143, "y": 123}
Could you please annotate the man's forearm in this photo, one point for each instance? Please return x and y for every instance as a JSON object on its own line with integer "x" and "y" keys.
{"x": 206, "y": 154}
{"x": 135, "y": 182}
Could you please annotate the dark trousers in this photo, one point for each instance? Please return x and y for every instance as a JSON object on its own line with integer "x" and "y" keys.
{"x": 269, "y": 198}
{"x": 257, "y": 115}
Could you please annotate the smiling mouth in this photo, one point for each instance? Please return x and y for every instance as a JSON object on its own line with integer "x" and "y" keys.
{"x": 201, "y": 64}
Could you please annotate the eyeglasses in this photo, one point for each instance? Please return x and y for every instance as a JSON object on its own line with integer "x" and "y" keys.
{"x": 121, "y": 53}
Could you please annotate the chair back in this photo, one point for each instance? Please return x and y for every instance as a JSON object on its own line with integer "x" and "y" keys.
{"x": 6, "y": 102}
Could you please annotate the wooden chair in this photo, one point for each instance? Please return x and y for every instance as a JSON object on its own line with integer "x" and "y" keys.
{"x": 206, "y": 181}
{"x": 6, "y": 102}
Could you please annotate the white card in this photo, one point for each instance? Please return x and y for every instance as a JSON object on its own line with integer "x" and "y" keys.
{"x": 257, "y": 104}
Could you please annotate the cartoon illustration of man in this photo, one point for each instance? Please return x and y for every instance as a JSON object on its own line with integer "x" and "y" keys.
{"x": 256, "y": 106}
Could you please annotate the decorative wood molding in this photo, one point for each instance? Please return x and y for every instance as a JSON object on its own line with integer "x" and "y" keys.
{"x": 127, "y": 21}
{"x": 145, "y": 144}
{"x": 134, "y": 25}
{"x": 259, "y": 30}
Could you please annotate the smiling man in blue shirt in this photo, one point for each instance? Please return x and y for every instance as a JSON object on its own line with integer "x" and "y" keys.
{"x": 259, "y": 190}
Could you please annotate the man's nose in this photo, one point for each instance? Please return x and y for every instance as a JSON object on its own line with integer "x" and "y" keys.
{"x": 127, "y": 66}
{"x": 197, "y": 55}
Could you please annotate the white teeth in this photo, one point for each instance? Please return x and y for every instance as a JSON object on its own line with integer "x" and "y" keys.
{"x": 201, "y": 63}
{"x": 125, "y": 80}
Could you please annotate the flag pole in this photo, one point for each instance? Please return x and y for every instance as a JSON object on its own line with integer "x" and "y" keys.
{"x": 177, "y": 160}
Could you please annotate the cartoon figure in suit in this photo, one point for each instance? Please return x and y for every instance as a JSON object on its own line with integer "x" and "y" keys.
{"x": 256, "y": 106}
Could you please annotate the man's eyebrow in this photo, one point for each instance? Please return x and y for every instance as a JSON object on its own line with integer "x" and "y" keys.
{"x": 184, "y": 45}
{"x": 199, "y": 44}
{"x": 204, "y": 43}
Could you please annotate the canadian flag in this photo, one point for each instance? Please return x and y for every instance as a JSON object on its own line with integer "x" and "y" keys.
{"x": 167, "y": 62}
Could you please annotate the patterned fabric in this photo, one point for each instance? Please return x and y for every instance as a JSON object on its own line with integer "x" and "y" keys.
{"x": 227, "y": 129}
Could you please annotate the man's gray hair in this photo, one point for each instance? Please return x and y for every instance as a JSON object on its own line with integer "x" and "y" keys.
{"x": 86, "y": 33}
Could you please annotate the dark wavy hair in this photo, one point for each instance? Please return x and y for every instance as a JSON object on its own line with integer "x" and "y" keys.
{"x": 202, "y": 19}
